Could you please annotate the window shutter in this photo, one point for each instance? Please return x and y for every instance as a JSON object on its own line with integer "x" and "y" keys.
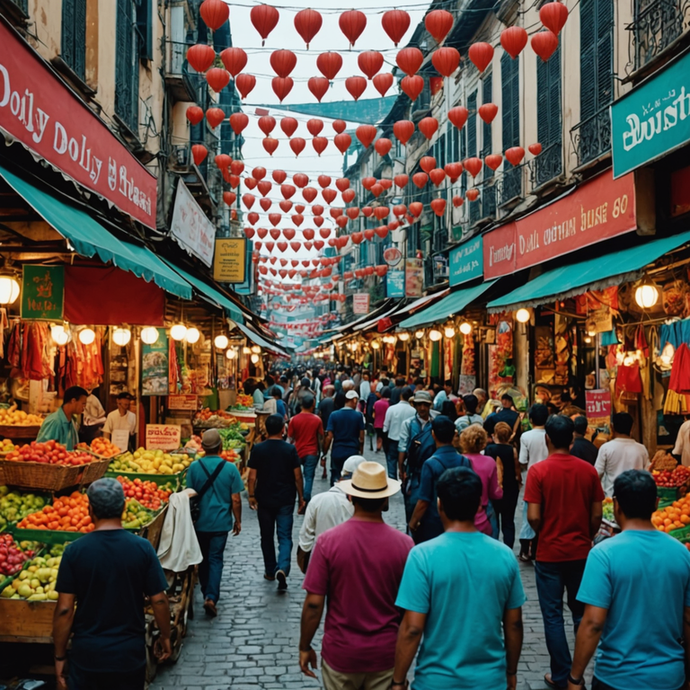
{"x": 73, "y": 41}
{"x": 472, "y": 125}
{"x": 145, "y": 29}
{"x": 510, "y": 96}
{"x": 487, "y": 97}
{"x": 126, "y": 66}
{"x": 549, "y": 99}
{"x": 588, "y": 57}
{"x": 604, "y": 48}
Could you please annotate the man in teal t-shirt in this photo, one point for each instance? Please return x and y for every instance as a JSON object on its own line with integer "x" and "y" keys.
{"x": 217, "y": 506}
{"x": 461, "y": 591}
{"x": 60, "y": 425}
{"x": 636, "y": 591}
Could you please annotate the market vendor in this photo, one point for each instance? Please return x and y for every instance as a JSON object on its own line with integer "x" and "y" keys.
{"x": 121, "y": 419}
{"x": 61, "y": 426}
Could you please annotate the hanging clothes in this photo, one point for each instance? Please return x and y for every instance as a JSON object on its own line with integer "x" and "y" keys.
{"x": 680, "y": 371}
{"x": 628, "y": 379}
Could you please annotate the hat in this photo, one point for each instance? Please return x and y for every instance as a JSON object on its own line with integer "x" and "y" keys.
{"x": 124, "y": 395}
{"x": 211, "y": 440}
{"x": 422, "y": 397}
{"x": 370, "y": 480}
{"x": 352, "y": 463}
{"x": 351, "y": 395}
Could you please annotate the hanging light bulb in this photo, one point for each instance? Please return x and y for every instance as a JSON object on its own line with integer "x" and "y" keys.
{"x": 355, "y": 345}
{"x": 178, "y": 331}
{"x": 192, "y": 336}
{"x": 646, "y": 294}
{"x": 466, "y": 328}
{"x": 246, "y": 350}
{"x": 221, "y": 342}
{"x": 375, "y": 344}
{"x": 149, "y": 335}
{"x": 419, "y": 334}
{"x": 449, "y": 332}
{"x": 60, "y": 335}
{"x": 231, "y": 353}
{"x": 121, "y": 336}
{"x": 9, "y": 289}
{"x": 256, "y": 349}
{"x": 255, "y": 358}
{"x": 404, "y": 337}
{"x": 588, "y": 339}
{"x": 87, "y": 336}
{"x": 522, "y": 315}
{"x": 435, "y": 335}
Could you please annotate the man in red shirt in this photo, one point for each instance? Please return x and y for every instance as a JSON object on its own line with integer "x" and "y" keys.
{"x": 564, "y": 497}
{"x": 305, "y": 431}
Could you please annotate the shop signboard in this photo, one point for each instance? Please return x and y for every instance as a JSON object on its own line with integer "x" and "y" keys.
{"x": 392, "y": 256}
{"x": 395, "y": 284}
{"x": 414, "y": 277}
{"x": 39, "y": 110}
{"x": 154, "y": 366}
{"x": 163, "y": 436}
{"x": 360, "y": 303}
{"x": 652, "y": 119}
{"x": 595, "y": 211}
{"x": 191, "y": 227}
{"x": 43, "y": 289}
{"x": 229, "y": 260}
{"x": 247, "y": 286}
{"x": 466, "y": 262}
{"x": 189, "y": 403}
{"x": 598, "y": 403}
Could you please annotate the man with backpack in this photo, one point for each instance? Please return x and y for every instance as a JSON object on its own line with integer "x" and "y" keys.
{"x": 415, "y": 447}
{"x": 218, "y": 485}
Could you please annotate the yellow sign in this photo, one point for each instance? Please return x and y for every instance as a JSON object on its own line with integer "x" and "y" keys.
{"x": 229, "y": 265}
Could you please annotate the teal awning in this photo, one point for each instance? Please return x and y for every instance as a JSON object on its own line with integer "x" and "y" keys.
{"x": 216, "y": 296}
{"x": 453, "y": 303}
{"x": 90, "y": 238}
{"x": 593, "y": 274}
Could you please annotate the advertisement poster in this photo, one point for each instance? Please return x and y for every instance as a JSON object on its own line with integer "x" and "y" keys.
{"x": 466, "y": 262}
{"x": 395, "y": 284}
{"x": 229, "y": 260}
{"x": 163, "y": 436}
{"x": 43, "y": 289}
{"x": 191, "y": 227}
{"x": 154, "y": 366}
{"x": 414, "y": 277}
{"x": 360, "y": 303}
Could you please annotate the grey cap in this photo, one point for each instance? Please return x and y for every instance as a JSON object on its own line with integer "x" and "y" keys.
{"x": 422, "y": 397}
{"x": 107, "y": 498}
{"x": 351, "y": 464}
{"x": 211, "y": 439}
{"x": 351, "y": 395}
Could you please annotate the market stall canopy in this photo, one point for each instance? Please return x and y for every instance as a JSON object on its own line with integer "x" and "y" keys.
{"x": 90, "y": 238}
{"x": 421, "y": 302}
{"x": 372, "y": 323}
{"x": 453, "y": 303}
{"x": 378, "y": 312}
{"x": 593, "y": 274}
{"x": 261, "y": 341}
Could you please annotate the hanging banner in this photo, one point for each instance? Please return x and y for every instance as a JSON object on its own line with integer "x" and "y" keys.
{"x": 229, "y": 260}
{"x": 360, "y": 303}
{"x": 597, "y": 210}
{"x": 414, "y": 277}
{"x": 154, "y": 366}
{"x": 395, "y": 284}
{"x": 43, "y": 289}
{"x": 598, "y": 403}
{"x": 466, "y": 262}
{"x": 191, "y": 227}
{"x": 39, "y": 110}
{"x": 652, "y": 119}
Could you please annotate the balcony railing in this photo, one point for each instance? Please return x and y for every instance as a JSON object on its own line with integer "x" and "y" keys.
{"x": 184, "y": 82}
{"x": 592, "y": 137}
{"x": 548, "y": 165}
{"x": 656, "y": 25}
{"x": 509, "y": 184}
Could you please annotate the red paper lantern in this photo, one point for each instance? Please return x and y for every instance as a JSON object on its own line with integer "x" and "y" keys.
{"x": 544, "y": 44}
{"x": 194, "y": 114}
{"x": 481, "y": 55}
{"x": 314, "y": 125}
{"x": 288, "y": 125}
{"x": 222, "y": 161}
{"x": 274, "y": 219}
{"x": 438, "y": 206}
{"x": 352, "y": 212}
{"x": 409, "y": 60}
{"x": 237, "y": 167}
{"x": 515, "y": 155}
{"x": 428, "y": 126}
{"x": 458, "y": 116}
{"x": 445, "y": 60}
{"x": 427, "y": 164}
{"x": 420, "y": 179}
{"x": 329, "y": 64}
{"x": 248, "y": 200}
{"x": 381, "y": 212}
{"x": 377, "y": 190}
{"x": 324, "y": 181}
{"x": 233, "y": 180}
{"x": 370, "y": 62}
{"x": 282, "y": 86}
{"x": 403, "y": 130}
{"x": 412, "y": 86}
{"x": 493, "y": 160}
{"x": 386, "y": 183}
{"x": 368, "y": 211}
{"x": 352, "y": 23}
{"x": 383, "y": 82}
{"x": 264, "y": 18}
{"x": 245, "y": 84}
{"x": 348, "y": 195}
{"x": 249, "y": 233}
{"x": 488, "y": 112}
{"x": 356, "y": 86}
{"x": 201, "y": 57}
{"x": 328, "y": 195}
{"x": 234, "y": 59}
{"x": 369, "y": 234}
{"x": 438, "y": 23}
{"x": 308, "y": 233}
{"x": 283, "y": 62}
{"x": 472, "y": 194}
{"x": 288, "y": 233}
{"x": 250, "y": 183}
{"x": 513, "y": 40}
{"x": 238, "y": 121}
{"x": 368, "y": 182}
{"x": 341, "y": 221}
{"x": 366, "y": 134}
{"x": 318, "y": 221}
{"x": 342, "y": 183}
{"x": 297, "y": 219}
{"x": 395, "y": 23}
{"x": 287, "y": 190}
{"x": 473, "y": 166}
{"x": 282, "y": 246}
{"x": 267, "y": 124}
{"x": 535, "y": 149}
{"x": 217, "y": 78}
{"x": 214, "y": 13}
{"x": 553, "y": 16}
{"x": 229, "y": 198}
{"x": 382, "y": 232}
{"x": 357, "y": 237}
{"x": 308, "y": 23}
{"x": 319, "y": 144}
{"x": 437, "y": 175}
{"x": 342, "y": 142}
{"x": 301, "y": 180}
{"x": 275, "y": 234}
{"x": 383, "y": 146}
{"x": 270, "y": 145}
{"x": 279, "y": 176}
{"x": 435, "y": 85}
{"x": 453, "y": 170}
{"x": 318, "y": 86}
{"x": 339, "y": 126}
{"x": 458, "y": 201}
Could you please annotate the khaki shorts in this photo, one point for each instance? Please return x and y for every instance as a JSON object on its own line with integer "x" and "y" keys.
{"x": 333, "y": 680}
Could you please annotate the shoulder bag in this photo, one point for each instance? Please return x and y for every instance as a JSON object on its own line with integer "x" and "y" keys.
{"x": 195, "y": 501}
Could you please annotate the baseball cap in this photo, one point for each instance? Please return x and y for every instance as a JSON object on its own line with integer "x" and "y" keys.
{"x": 352, "y": 463}
{"x": 351, "y": 394}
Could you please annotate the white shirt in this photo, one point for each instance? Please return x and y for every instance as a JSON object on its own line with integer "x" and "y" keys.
{"x": 533, "y": 448}
{"x": 364, "y": 390}
{"x": 116, "y": 422}
{"x": 324, "y": 511}
{"x": 618, "y": 456}
{"x": 682, "y": 446}
{"x": 395, "y": 416}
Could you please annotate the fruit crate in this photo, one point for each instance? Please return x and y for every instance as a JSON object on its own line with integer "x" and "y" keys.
{"x": 681, "y": 534}
{"x": 152, "y": 529}
{"x": 40, "y": 475}
{"x": 20, "y": 433}
{"x": 668, "y": 494}
{"x": 46, "y": 536}
{"x": 26, "y": 621}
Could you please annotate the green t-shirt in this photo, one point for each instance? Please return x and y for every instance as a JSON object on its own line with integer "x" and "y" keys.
{"x": 56, "y": 427}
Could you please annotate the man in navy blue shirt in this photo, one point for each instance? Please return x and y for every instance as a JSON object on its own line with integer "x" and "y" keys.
{"x": 344, "y": 434}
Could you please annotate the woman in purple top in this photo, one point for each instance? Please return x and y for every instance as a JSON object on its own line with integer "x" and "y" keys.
{"x": 380, "y": 407}
{"x": 473, "y": 440}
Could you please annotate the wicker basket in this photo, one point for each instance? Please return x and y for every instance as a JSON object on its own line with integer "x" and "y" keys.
{"x": 95, "y": 470}
{"x": 40, "y": 475}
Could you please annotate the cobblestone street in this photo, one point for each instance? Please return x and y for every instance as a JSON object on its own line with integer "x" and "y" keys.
{"x": 253, "y": 643}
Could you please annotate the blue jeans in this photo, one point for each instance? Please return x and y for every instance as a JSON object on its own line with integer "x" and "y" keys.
{"x": 274, "y": 519}
{"x": 392, "y": 459}
{"x": 309, "y": 462}
{"x": 212, "y": 545}
{"x": 411, "y": 496}
{"x": 337, "y": 462}
{"x": 552, "y": 580}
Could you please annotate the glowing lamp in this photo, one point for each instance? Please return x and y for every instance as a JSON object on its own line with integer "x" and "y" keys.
{"x": 149, "y": 335}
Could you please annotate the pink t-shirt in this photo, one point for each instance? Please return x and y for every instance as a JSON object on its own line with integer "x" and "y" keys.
{"x": 485, "y": 467}
{"x": 380, "y": 407}
{"x": 358, "y": 566}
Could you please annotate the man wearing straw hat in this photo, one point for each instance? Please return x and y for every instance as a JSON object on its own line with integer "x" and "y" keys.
{"x": 358, "y": 566}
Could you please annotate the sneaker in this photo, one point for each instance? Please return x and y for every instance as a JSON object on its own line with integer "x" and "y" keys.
{"x": 282, "y": 581}
{"x": 210, "y": 608}
{"x": 268, "y": 577}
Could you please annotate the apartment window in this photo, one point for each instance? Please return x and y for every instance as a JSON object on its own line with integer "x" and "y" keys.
{"x": 510, "y": 97}
{"x": 549, "y": 163}
{"x": 472, "y": 125}
{"x": 487, "y": 97}
{"x": 73, "y": 48}
{"x": 127, "y": 65}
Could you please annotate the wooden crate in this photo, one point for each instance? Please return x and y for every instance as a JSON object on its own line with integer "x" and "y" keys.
{"x": 26, "y": 621}
{"x": 19, "y": 433}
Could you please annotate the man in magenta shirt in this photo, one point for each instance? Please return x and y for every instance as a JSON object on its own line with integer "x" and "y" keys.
{"x": 305, "y": 431}
{"x": 358, "y": 566}
{"x": 564, "y": 498}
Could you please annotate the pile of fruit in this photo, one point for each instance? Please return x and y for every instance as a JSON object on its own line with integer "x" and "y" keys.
{"x": 150, "y": 462}
{"x": 67, "y": 514}
{"x": 669, "y": 479}
{"x": 11, "y": 416}
{"x": 230, "y": 455}
{"x": 232, "y": 437}
{"x": 663, "y": 461}
{"x": 12, "y": 558}
{"x": 207, "y": 413}
{"x": 608, "y": 510}
{"x": 135, "y": 515}
{"x": 6, "y": 446}
{"x": 243, "y": 402}
{"x": 675, "y": 516}
{"x": 50, "y": 453}
{"x": 206, "y": 419}
{"x": 37, "y": 581}
{"x": 15, "y": 505}
{"x": 148, "y": 494}
{"x": 101, "y": 446}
